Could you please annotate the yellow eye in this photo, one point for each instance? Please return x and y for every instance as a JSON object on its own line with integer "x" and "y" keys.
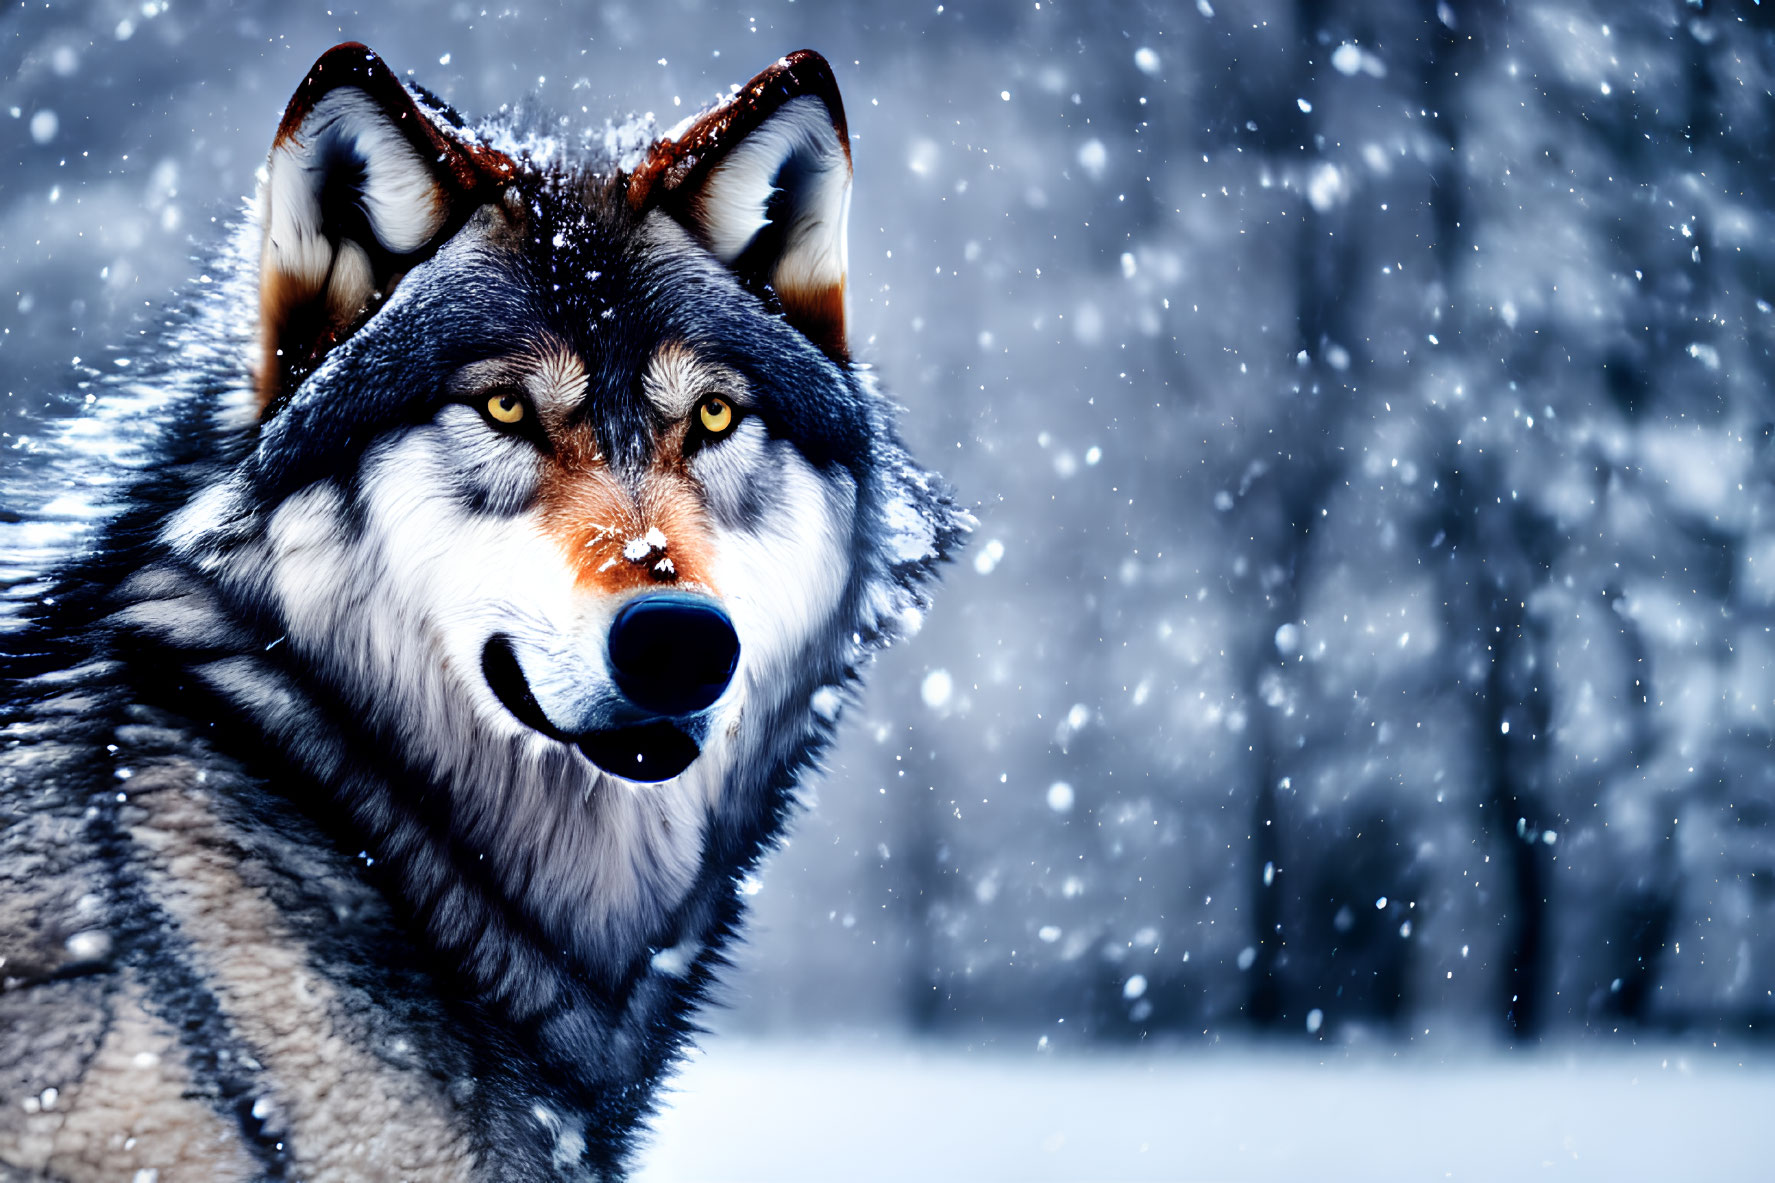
{"x": 716, "y": 414}
{"x": 506, "y": 408}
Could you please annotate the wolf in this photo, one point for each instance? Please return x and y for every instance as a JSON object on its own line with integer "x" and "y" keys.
{"x": 450, "y": 599}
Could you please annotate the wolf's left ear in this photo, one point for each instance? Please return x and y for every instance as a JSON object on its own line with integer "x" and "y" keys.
{"x": 365, "y": 180}
{"x": 763, "y": 179}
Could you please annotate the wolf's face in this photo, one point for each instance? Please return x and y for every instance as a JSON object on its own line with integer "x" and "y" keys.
{"x": 601, "y": 518}
{"x": 556, "y": 487}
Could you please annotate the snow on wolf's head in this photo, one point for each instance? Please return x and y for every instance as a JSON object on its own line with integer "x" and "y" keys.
{"x": 557, "y": 490}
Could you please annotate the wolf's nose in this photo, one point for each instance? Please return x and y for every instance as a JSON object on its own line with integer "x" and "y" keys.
{"x": 672, "y": 654}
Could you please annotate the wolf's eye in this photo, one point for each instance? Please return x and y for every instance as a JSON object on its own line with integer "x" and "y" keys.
{"x": 505, "y": 407}
{"x": 716, "y": 415}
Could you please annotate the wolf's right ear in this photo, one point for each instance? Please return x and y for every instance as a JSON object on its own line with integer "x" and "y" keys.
{"x": 763, "y": 179}
{"x": 363, "y": 182}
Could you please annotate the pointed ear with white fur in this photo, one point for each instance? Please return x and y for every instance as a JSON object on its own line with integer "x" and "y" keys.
{"x": 763, "y": 180}
{"x": 365, "y": 179}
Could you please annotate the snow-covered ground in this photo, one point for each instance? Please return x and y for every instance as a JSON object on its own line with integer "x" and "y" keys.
{"x": 787, "y": 1112}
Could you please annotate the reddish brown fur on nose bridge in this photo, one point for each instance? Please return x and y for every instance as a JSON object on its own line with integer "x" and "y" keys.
{"x": 616, "y": 542}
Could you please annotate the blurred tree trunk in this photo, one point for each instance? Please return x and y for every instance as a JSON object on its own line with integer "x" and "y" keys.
{"x": 1493, "y": 577}
{"x": 1304, "y": 470}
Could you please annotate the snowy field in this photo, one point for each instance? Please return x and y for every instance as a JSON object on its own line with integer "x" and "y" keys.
{"x": 787, "y": 1112}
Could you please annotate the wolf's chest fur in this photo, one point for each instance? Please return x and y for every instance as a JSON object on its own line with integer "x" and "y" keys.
{"x": 377, "y": 781}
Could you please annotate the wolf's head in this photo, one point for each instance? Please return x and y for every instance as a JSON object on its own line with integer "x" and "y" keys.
{"x": 554, "y": 515}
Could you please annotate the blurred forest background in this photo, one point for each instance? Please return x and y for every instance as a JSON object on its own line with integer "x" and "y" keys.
{"x": 1367, "y": 408}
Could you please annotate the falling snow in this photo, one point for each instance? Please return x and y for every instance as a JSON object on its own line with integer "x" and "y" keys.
{"x": 1367, "y": 412}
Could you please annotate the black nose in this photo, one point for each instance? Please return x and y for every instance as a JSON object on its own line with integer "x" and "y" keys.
{"x": 672, "y": 654}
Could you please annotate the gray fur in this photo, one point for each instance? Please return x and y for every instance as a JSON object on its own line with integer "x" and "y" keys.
{"x": 286, "y": 888}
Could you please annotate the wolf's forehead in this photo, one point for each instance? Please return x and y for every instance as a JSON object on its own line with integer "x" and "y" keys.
{"x": 627, "y": 300}
{"x": 578, "y": 221}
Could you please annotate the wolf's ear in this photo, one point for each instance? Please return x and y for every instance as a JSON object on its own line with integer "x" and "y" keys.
{"x": 763, "y": 180}
{"x": 362, "y": 183}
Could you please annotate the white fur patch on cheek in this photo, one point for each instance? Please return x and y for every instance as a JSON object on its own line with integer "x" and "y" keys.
{"x": 310, "y": 567}
{"x": 461, "y": 576}
{"x": 783, "y": 581}
{"x": 414, "y": 591}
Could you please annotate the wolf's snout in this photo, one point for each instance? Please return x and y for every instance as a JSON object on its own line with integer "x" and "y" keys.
{"x": 672, "y": 654}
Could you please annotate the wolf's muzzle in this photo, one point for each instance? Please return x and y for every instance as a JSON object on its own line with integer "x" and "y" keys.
{"x": 670, "y": 655}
